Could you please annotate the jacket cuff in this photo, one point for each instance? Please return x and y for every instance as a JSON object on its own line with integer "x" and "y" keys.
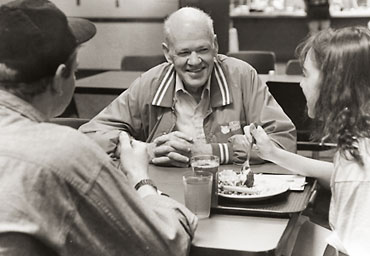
{"x": 224, "y": 151}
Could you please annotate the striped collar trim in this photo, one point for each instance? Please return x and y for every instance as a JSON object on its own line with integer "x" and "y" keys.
{"x": 167, "y": 80}
{"x": 222, "y": 84}
{"x": 219, "y": 89}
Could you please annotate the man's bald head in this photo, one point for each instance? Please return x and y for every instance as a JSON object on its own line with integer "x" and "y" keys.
{"x": 187, "y": 18}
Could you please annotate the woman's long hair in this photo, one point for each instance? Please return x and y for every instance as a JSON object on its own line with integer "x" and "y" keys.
{"x": 343, "y": 105}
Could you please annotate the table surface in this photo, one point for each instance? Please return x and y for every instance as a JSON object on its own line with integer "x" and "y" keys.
{"x": 109, "y": 80}
{"x": 223, "y": 233}
{"x": 121, "y": 80}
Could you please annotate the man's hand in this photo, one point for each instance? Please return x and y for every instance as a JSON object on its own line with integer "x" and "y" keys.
{"x": 134, "y": 158}
{"x": 172, "y": 149}
{"x": 241, "y": 147}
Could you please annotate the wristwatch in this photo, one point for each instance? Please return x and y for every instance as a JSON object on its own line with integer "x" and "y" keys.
{"x": 145, "y": 182}
{"x": 150, "y": 183}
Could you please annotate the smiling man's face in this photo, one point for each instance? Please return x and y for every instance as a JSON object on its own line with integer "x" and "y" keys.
{"x": 192, "y": 50}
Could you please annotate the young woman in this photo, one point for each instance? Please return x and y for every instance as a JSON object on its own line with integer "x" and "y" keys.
{"x": 336, "y": 85}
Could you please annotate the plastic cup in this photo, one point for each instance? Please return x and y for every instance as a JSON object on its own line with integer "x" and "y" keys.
{"x": 197, "y": 192}
{"x": 209, "y": 163}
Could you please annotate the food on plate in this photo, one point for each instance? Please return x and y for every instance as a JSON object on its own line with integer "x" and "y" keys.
{"x": 240, "y": 183}
{"x": 249, "y": 182}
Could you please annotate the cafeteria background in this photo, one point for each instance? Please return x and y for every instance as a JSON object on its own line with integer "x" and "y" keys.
{"x": 134, "y": 27}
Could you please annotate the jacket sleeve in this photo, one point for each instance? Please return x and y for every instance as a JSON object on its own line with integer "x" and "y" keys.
{"x": 233, "y": 153}
{"x": 261, "y": 108}
{"x": 224, "y": 151}
{"x": 156, "y": 224}
{"x": 123, "y": 114}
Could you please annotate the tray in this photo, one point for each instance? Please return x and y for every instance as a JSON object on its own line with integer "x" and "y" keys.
{"x": 283, "y": 205}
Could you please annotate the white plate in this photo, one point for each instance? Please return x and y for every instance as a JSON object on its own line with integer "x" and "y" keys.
{"x": 268, "y": 188}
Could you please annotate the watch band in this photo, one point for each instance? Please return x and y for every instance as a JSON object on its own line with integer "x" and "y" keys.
{"x": 145, "y": 182}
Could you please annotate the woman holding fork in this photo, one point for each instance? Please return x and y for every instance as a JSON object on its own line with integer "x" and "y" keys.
{"x": 336, "y": 84}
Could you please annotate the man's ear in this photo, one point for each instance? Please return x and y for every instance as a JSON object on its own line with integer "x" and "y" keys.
{"x": 215, "y": 43}
{"x": 59, "y": 78}
{"x": 166, "y": 52}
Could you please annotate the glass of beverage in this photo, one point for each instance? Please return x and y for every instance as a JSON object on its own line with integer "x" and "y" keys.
{"x": 209, "y": 163}
{"x": 198, "y": 188}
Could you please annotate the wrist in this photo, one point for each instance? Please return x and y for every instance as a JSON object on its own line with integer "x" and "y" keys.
{"x": 150, "y": 150}
{"x": 147, "y": 187}
{"x": 273, "y": 155}
{"x": 201, "y": 149}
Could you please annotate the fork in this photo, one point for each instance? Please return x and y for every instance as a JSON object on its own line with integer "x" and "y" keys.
{"x": 246, "y": 164}
{"x": 247, "y": 129}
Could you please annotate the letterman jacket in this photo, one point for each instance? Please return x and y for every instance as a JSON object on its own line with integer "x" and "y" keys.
{"x": 237, "y": 98}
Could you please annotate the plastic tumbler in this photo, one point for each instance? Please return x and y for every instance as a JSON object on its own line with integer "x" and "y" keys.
{"x": 197, "y": 192}
{"x": 208, "y": 163}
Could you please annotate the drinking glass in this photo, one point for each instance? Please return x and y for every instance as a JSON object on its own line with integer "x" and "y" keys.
{"x": 209, "y": 163}
{"x": 197, "y": 192}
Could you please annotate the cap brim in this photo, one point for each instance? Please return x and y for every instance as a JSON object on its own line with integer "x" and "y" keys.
{"x": 82, "y": 29}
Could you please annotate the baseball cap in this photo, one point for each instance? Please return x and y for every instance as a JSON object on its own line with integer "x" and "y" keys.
{"x": 35, "y": 38}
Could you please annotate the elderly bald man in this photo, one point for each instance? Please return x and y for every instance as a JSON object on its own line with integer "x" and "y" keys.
{"x": 196, "y": 103}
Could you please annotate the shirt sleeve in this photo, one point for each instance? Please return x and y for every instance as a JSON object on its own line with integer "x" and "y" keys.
{"x": 156, "y": 224}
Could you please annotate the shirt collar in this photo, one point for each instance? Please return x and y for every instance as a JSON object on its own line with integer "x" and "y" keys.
{"x": 19, "y": 105}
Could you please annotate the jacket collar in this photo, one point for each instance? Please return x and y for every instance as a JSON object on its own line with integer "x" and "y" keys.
{"x": 219, "y": 89}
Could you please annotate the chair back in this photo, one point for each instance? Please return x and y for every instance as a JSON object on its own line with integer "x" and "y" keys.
{"x": 292, "y": 100}
{"x": 141, "y": 63}
{"x": 293, "y": 67}
{"x": 262, "y": 61}
{"x": 69, "y": 121}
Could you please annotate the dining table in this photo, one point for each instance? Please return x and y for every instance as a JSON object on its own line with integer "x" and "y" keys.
{"x": 112, "y": 82}
{"x": 248, "y": 233}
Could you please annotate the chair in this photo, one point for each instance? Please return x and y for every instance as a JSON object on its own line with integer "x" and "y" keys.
{"x": 262, "y": 61}
{"x": 141, "y": 63}
{"x": 292, "y": 100}
{"x": 71, "y": 122}
{"x": 293, "y": 67}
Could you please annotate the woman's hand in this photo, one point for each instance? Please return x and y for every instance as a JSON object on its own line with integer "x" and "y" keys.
{"x": 263, "y": 146}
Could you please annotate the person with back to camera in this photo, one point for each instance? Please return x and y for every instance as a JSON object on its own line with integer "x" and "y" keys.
{"x": 336, "y": 84}
{"x": 60, "y": 193}
{"x": 196, "y": 103}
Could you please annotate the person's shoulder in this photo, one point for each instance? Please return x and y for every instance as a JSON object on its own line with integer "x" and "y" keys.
{"x": 157, "y": 72}
{"x": 55, "y": 153}
{"x": 235, "y": 66}
{"x": 233, "y": 63}
{"x": 71, "y": 144}
{"x": 149, "y": 81}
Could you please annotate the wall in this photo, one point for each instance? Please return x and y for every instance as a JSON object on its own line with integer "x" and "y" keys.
{"x": 123, "y": 27}
{"x": 114, "y": 40}
{"x": 219, "y": 12}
